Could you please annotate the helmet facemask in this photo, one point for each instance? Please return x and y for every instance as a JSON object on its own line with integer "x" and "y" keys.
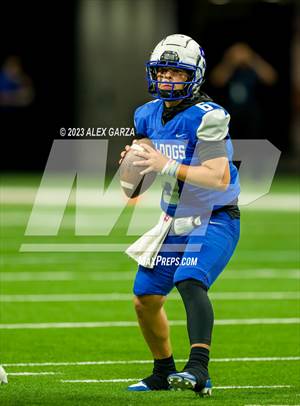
{"x": 194, "y": 80}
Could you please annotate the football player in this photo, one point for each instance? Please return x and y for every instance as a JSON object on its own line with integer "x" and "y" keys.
{"x": 193, "y": 153}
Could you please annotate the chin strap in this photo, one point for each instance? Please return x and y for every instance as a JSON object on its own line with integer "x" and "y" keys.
{"x": 171, "y": 94}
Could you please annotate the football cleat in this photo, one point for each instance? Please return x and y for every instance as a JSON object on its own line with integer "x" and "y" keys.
{"x": 185, "y": 380}
{"x": 138, "y": 387}
{"x": 152, "y": 382}
{"x": 3, "y": 376}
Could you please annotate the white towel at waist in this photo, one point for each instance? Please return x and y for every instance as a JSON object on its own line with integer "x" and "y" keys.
{"x": 144, "y": 250}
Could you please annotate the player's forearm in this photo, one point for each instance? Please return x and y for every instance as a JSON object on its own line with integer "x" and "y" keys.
{"x": 222, "y": 74}
{"x": 204, "y": 176}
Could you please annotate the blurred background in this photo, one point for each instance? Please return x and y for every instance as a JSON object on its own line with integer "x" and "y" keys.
{"x": 81, "y": 63}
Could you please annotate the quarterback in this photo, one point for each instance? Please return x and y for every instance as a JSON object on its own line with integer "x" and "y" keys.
{"x": 199, "y": 226}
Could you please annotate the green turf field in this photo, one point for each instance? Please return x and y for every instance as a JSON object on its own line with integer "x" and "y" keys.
{"x": 68, "y": 333}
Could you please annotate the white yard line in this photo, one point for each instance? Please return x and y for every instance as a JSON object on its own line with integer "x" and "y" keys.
{"x": 79, "y": 247}
{"x": 256, "y": 359}
{"x": 65, "y": 276}
{"x": 26, "y": 195}
{"x": 31, "y": 373}
{"x": 100, "y": 380}
{"x": 264, "y": 273}
{"x": 254, "y": 387}
{"x": 249, "y": 255}
{"x": 147, "y": 361}
{"x": 278, "y": 256}
{"x": 138, "y": 379}
{"x": 105, "y": 324}
{"x": 121, "y": 297}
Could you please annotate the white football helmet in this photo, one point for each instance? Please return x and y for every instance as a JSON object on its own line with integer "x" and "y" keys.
{"x": 180, "y": 52}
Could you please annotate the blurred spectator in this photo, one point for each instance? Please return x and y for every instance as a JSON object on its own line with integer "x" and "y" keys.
{"x": 241, "y": 71}
{"x": 16, "y": 111}
{"x": 295, "y": 76}
{"x": 16, "y": 88}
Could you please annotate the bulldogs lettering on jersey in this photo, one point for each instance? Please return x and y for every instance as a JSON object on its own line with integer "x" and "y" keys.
{"x": 171, "y": 150}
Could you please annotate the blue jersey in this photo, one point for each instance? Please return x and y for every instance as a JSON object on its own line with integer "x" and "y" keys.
{"x": 180, "y": 139}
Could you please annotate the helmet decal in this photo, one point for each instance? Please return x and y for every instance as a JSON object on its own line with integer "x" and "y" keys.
{"x": 170, "y": 56}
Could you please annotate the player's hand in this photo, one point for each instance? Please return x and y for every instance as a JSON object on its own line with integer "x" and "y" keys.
{"x": 154, "y": 159}
{"x": 123, "y": 153}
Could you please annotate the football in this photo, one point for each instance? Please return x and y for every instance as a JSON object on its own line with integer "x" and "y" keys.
{"x": 131, "y": 181}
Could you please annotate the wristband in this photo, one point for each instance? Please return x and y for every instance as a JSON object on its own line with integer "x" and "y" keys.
{"x": 170, "y": 168}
